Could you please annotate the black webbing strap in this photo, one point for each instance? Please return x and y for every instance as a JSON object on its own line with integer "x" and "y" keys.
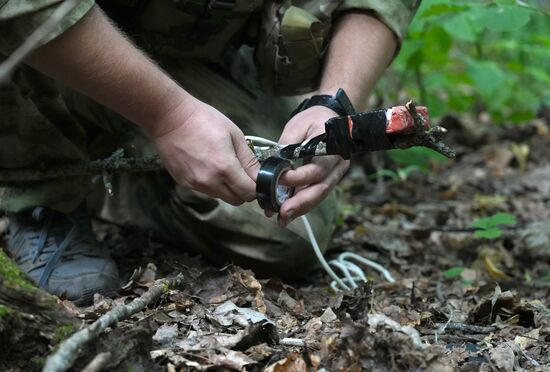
{"x": 340, "y": 103}
{"x": 358, "y": 133}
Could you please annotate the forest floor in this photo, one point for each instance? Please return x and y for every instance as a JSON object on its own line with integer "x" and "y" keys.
{"x": 459, "y": 302}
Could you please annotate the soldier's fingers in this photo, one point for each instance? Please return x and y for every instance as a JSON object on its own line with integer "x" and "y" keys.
{"x": 310, "y": 173}
{"x": 240, "y": 170}
{"x": 246, "y": 157}
{"x": 223, "y": 192}
{"x": 305, "y": 200}
{"x": 240, "y": 183}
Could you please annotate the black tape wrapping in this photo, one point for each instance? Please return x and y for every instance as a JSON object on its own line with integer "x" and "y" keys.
{"x": 368, "y": 134}
{"x": 268, "y": 179}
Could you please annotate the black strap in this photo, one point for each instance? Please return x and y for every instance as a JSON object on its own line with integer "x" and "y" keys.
{"x": 340, "y": 103}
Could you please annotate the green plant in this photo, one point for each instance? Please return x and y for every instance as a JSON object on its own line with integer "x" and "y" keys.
{"x": 465, "y": 55}
{"x": 490, "y": 227}
{"x": 453, "y": 272}
{"x": 398, "y": 175}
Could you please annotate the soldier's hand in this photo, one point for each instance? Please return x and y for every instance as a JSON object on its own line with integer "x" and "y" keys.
{"x": 316, "y": 179}
{"x": 203, "y": 150}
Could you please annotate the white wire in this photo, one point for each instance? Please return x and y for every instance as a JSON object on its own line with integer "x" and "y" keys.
{"x": 370, "y": 263}
{"x": 262, "y": 141}
{"x": 344, "y": 269}
{"x": 350, "y": 266}
{"x": 341, "y": 262}
{"x": 319, "y": 254}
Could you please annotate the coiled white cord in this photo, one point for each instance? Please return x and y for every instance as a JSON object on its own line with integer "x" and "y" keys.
{"x": 351, "y": 271}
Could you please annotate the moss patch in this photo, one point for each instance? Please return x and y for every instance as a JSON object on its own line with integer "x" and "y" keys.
{"x": 61, "y": 333}
{"x": 4, "y": 310}
{"x": 11, "y": 274}
{"x": 38, "y": 361}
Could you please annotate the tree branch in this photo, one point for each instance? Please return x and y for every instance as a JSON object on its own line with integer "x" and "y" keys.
{"x": 68, "y": 350}
{"x": 430, "y": 138}
{"x": 116, "y": 163}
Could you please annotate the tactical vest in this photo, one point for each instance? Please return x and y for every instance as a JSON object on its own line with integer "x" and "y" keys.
{"x": 290, "y": 39}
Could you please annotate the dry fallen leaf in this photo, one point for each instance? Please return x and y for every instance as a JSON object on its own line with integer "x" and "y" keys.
{"x": 292, "y": 363}
{"x": 247, "y": 279}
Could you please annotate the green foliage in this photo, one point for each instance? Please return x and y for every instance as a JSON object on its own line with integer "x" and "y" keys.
{"x": 489, "y": 227}
{"x": 62, "y": 332}
{"x": 453, "y": 273}
{"x": 398, "y": 175}
{"x": 11, "y": 274}
{"x": 545, "y": 278}
{"x": 4, "y": 310}
{"x": 465, "y": 55}
{"x": 419, "y": 157}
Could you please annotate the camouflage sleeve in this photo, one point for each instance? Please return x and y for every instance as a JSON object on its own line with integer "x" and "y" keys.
{"x": 396, "y": 14}
{"x": 19, "y": 18}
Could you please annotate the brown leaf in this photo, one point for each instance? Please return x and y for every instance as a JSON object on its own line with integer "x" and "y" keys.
{"x": 292, "y": 363}
{"x": 247, "y": 279}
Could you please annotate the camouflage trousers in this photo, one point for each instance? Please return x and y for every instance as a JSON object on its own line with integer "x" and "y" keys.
{"x": 46, "y": 123}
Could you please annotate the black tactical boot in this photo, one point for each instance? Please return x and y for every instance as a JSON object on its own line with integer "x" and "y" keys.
{"x": 60, "y": 253}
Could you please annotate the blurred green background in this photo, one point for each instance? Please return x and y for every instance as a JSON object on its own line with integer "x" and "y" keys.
{"x": 475, "y": 57}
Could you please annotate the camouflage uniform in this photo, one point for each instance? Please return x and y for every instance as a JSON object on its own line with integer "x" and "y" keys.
{"x": 209, "y": 51}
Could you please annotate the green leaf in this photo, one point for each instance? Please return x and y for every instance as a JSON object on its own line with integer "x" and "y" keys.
{"x": 462, "y": 27}
{"x": 487, "y": 77}
{"x": 420, "y": 157}
{"x": 438, "y": 107}
{"x": 440, "y": 9}
{"x": 499, "y": 219}
{"x": 522, "y": 116}
{"x": 542, "y": 6}
{"x": 453, "y": 272}
{"x": 403, "y": 173}
{"x": 504, "y": 18}
{"x": 385, "y": 173}
{"x": 491, "y": 233}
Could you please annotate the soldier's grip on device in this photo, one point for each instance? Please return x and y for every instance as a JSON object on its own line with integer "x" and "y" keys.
{"x": 370, "y": 131}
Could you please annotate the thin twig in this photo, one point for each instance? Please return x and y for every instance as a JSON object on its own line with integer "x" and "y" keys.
{"x": 468, "y": 328}
{"x": 531, "y": 360}
{"x": 99, "y": 362}
{"x": 68, "y": 350}
{"x": 430, "y": 138}
{"x": 8, "y": 66}
{"x": 436, "y": 338}
{"x": 83, "y": 168}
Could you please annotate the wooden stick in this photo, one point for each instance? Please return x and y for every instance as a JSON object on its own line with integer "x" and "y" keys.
{"x": 67, "y": 351}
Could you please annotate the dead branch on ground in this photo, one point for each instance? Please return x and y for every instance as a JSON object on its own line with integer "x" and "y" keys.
{"x": 430, "y": 137}
{"x": 67, "y": 351}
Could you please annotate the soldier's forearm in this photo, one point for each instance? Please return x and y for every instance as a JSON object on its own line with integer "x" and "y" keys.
{"x": 94, "y": 58}
{"x": 360, "y": 50}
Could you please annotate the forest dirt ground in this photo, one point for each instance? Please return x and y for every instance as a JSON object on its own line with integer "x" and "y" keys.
{"x": 459, "y": 302}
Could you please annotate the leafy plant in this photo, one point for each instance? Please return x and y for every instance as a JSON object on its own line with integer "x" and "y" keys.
{"x": 490, "y": 227}
{"x": 419, "y": 157}
{"x": 453, "y": 272}
{"x": 398, "y": 175}
{"x": 474, "y": 56}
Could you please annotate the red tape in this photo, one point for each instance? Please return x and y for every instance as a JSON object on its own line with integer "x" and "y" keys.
{"x": 401, "y": 120}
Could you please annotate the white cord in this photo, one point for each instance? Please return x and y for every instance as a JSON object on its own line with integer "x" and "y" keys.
{"x": 319, "y": 254}
{"x": 352, "y": 273}
{"x": 262, "y": 141}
